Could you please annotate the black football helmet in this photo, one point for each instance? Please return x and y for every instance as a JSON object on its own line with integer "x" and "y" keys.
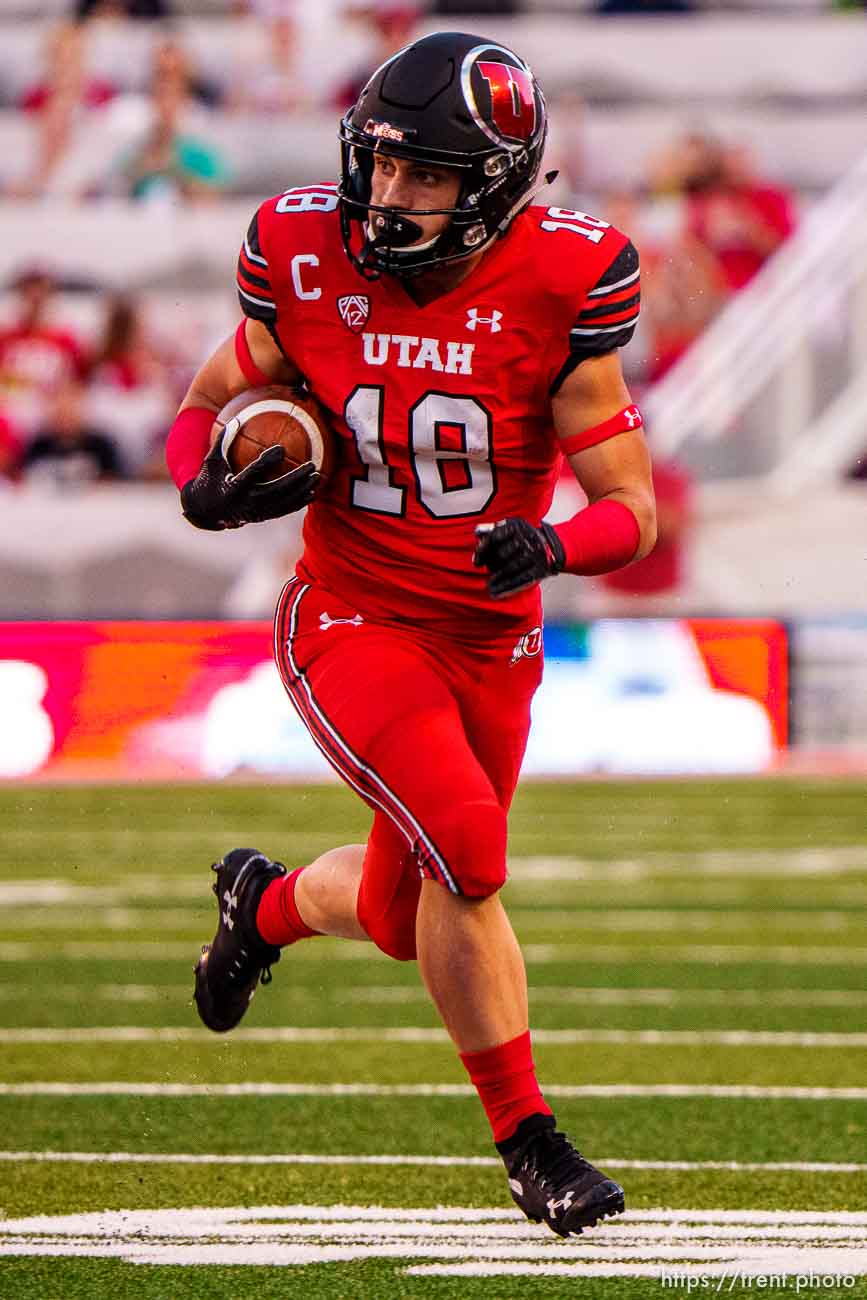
{"x": 450, "y": 100}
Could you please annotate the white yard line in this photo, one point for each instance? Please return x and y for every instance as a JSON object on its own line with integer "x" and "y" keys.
{"x": 544, "y": 954}
{"x": 456, "y": 1241}
{"x": 397, "y": 994}
{"x": 652, "y": 919}
{"x": 59, "y": 891}
{"x": 426, "y": 1036}
{"x": 461, "y": 1242}
{"x": 91, "y": 919}
{"x": 817, "y": 860}
{"x": 611, "y": 1091}
{"x": 160, "y": 950}
{"x": 296, "y": 1158}
{"x": 120, "y": 914}
{"x": 537, "y": 954}
{"x": 663, "y": 997}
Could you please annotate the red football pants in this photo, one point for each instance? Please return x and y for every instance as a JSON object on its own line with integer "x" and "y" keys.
{"x": 428, "y": 731}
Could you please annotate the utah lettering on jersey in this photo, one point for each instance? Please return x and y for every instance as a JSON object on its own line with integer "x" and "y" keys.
{"x": 443, "y": 413}
{"x": 409, "y": 351}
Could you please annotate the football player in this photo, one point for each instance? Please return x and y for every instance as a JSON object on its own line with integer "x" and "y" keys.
{"x": 463, "y": 339}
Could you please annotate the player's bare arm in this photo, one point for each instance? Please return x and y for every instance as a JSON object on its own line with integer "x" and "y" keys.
{"x": 221, "y": 378}
{"x": 618, "y": 468}
{"x": 592, "y": 413}
{"x": 212, "y": 497}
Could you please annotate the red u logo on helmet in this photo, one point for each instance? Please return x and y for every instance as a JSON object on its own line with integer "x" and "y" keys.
{"x": 513, "y": 100}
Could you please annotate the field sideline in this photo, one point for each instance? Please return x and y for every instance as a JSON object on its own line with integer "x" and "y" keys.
{"x": 696, "y": 955}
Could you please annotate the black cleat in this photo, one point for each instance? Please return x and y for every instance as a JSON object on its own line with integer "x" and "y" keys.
{"x": 230, "y": 968}
{"x": 551, "y": 1182}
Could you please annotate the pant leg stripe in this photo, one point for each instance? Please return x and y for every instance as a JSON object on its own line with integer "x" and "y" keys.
{"x": 358, "y": 774}
{"x": 364, "y": 779}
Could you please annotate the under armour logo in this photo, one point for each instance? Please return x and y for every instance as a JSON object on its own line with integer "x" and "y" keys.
{"x": 231, "y": 901}
{"x": 632, "y": 416}
{"x": 325, "y": 622}
{"x": 474, "y": 320}
{"x": 554, "y": 1206}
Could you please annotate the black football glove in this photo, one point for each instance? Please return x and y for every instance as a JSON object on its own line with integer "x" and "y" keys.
{"x": 216, "y": 498}
{"x": 517, "y": 554}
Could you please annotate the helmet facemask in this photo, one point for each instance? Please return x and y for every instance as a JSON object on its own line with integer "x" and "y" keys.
{"x": 384, "y": 243}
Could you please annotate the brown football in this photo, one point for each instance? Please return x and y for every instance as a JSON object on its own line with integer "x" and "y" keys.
{"x": 276, "y": 415}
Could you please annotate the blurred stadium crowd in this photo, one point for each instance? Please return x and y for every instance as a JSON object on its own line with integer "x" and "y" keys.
{"x": 176, "y": 107}
{"x": 107, "y": 119}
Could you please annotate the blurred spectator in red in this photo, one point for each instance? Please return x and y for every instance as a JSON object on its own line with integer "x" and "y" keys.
{"x": 392, "y": 25}
{"x": 277, "y": 82}
{"x": 59, "y": 102}
{"x": 130, "y": 393}
{"x": 662, "y": 573}
{"x": 36, "y": 357}
{"x": 682, "y": 289}
{"x": 682, "y": 284}
{"x": 65, "y": 78}
{"x": 67, "y": 452}
{"x": 11, "y": 450}
{"x": 737, "y": 216}
{"x": 124, "y": 357}
{"x": 172, "y": 164}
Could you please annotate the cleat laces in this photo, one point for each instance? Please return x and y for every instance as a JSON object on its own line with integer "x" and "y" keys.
{"x": 551, "y": 1158}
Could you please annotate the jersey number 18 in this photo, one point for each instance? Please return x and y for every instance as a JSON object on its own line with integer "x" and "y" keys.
{"x": 376, "y": 490}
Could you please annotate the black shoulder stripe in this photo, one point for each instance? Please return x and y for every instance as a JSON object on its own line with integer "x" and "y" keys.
{"x": 257, "y": 308}
{"x": 595, "y": 346}
{"x": 624, "y": 266}
{"x": 603, "y": 309}
{"x": 260, "y": 281}
{"x": 255, "y": 292}
{"x": 253, "y": 240}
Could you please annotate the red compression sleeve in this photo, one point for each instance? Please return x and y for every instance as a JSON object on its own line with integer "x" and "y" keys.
{"x": 251, "y": 372}
{"x": 187, "y": 443}
{"x": 603, "y": 537}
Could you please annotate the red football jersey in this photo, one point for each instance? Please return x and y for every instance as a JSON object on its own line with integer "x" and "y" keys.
{"x": 443, "y": 412}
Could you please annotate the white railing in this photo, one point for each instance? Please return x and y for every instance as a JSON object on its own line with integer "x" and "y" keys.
{"x": 776, "y": 386}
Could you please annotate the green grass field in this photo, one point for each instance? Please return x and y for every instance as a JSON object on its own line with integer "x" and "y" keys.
{"x": 697, "y": 958}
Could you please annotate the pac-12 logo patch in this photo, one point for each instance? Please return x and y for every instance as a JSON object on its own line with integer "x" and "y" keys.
{"x": 528, "y": 646}
{"x": 354, "y": 311}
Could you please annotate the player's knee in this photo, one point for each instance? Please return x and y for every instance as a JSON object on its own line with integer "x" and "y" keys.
{"x": 469, "y": 848}
{"x": 393, "y": 933}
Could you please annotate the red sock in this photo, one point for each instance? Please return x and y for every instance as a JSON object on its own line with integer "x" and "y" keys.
{"x": 505, "y": 1079}
{"x": 277, "y": 918}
